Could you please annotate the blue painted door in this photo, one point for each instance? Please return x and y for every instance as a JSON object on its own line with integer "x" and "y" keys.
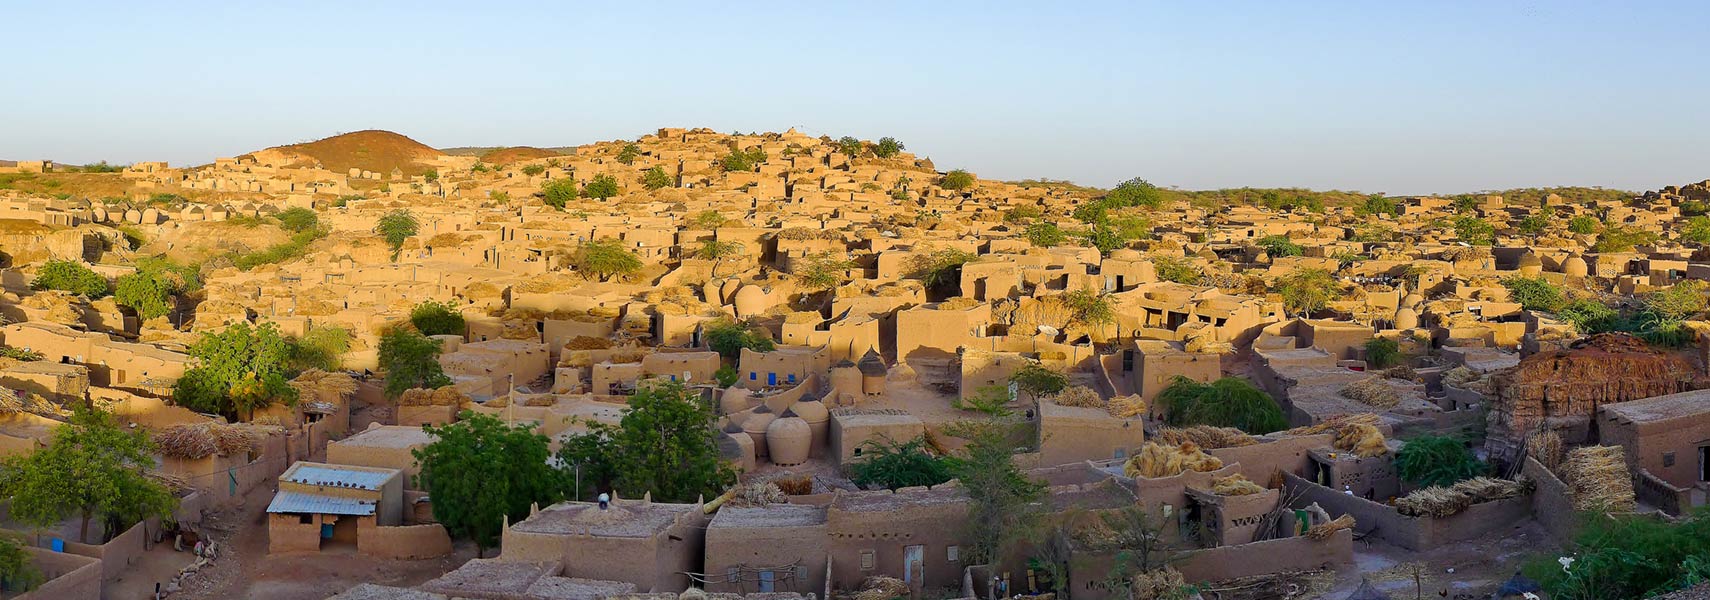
{"x": 771, "y": 379}
{"x": 326, "y": 531}
{"x": 766, "y": 579}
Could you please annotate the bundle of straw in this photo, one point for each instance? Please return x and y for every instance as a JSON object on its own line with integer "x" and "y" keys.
{"x": 1325, "y": 530}
{"x": 1156, "y": 460}
{"x": 1234, "y": 485}
{"x": 1373, "y": 392}
{"x": 1079, "y": 396}
{"x": 1126, "y": 407}
{"x": 1207, "y": 436}
{"x": 1598, "y": 479}
{"x": 1443, "y": 501}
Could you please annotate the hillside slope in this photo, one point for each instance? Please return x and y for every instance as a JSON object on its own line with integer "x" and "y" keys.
{"x": 369, "y": 150}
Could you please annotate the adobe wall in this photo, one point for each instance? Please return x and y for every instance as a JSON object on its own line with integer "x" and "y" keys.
{"x": 1073, "y": 434}
{"x": 411, "y": 542}
{"x": 286, "y": 533}
{"x": 762, "y": 547}
{"x": 120, "y": 552}
{"x": 1289, "y": 454}
{"x": 1551, "y": 504}
{"x": 1298, "y": 553}
{"x": 68, "y": 576}
{"x": 1413, "y": 533}
{"x": 887, "y": 534}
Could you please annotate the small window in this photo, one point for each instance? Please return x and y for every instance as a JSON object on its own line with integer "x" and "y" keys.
{"x": 1668, "y": 459}
{"x": 953, "y": 553}
{"x": 305, "y": 519}
{"x": 867, "y": 560}
{"x": 753, "y": 375}
{"x": 733, "y": 575}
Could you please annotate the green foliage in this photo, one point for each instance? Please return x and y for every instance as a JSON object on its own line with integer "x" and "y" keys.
{"x": 16, "y": 570}
{"x": 1002, "y": 500}
{"x": 1583, "y": 224}
{"x": 1697, "y": 230}
{"x": 1227, "y": 402}
{"x": 1679, "y": 301}
{"x": 1279, "y": 246}
{"x": 151, "y": 289}
{"x": 665, "y": 445}
{"x": 940, "y": 270}
{"x": 821, "y": 270}
{"x": 888, "y": 147}
{"x": 246, "y": 221}
{"x": 70, "y": 276}
{"x": 410, "y": 360}
{"x": 1307, "y": 291}
{"x": 1037, "y": 381}
{"x": 1615, "y": 239}
{"x": 1378, "y": 205}
{"x": 298, "y": 219}
{"x": 1382, "y": 353}
{"x": 1022, "y": 213}
{"x": 602, "y": 187}
{"x": 479, "y": 167}
{"x": 992, "y": 400}
{"x": 94, "y": 467}
{"x": 431, "y": 176}
{"x": 1589, "y": 316}
{"x": 605, "y": 259}
{"x": 1176, "y": 269}
{"x": 1091, "y": 212}
{"x": 1533, "y": 224}
{"x": 1089, "y": 308}
{"x": 739, "y": 160}
{"x": 1628, "y": 556}
{"x": 321, "y": 347}
{"x": 891, "y": 465}
{"x": 1373, "y": 232}
{"x": 1135, "y": 192}
{"x": 480, "y": 471}
{"x": 726, "y": 376}
{"x": 20, "y": 354}
{"x": 98, "y": 167}
{"x": 1045, "y": 234}
{"x": 1534, "y": 294}
{"x": 533, "y": 170}
{"x": 1475, "y": 231}
{"x": 558, "y": 193}
{"x": 728, "y": 338}
{"x": 134, "y": 238}
{"x": 629, "y": 153}
{"x": 655, "y": 178}
{"x": 850, "y": 146}
{"x": 957, "y": 180}
{"x": 395, "y": 227}
{"x": 1436, "y": 460}
{"x": 278, "y": 253}
{"x": 707, "y": 219}
{"x": 345, "y": 200}
{"x": 437, "y": 318}
{"x": 237, "y": 370}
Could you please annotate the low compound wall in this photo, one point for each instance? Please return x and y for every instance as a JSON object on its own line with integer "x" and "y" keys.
{"x": 68, "y": 576}
{"x": 1089, "y": 573}
{"x": 1550, "y": 502}
{"x": 411, "y": 542}
{"x": 118, "y": 553}
{"x": 1414, "y": 533}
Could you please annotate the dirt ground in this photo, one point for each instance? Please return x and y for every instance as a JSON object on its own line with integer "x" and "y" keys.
{"x": 1472, "y": 569}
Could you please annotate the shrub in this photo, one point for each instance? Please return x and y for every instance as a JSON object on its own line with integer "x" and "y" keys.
{"x": 70, "y": 276}
{"x": 887, "y": 147}
{"x": 602, "y": 187}
{"x": 1533, "y": 224}
{"x": 1475, "y": 231}
{"x": 1135, "y": 192}
{"x": 1697, "y": 230}
{"x": 726, "y": 376}
{"x": 629, "y": 153}
{"x": 1582, "y": 224}
{"x": 957, "y": 180}
{"x": 1280, "y": 245}
{"x": 1628, "y": 556}
{"x": 1534, "y": 294}
{"x": 1227, "y": 402}
{"x": 1436, "y": 460}
{"x": 298, "y": 219}
{"x": 558, "y": 192}
{"x": 850, "y": 146}
{"x": 1378, "y": 205}
{"x": 1022, "y": 214}
{"x": 1589, "y": 316}
{"x": 1036, "y": 381}
{"x": 742, "y": 160}
{"x": 605, "y": 259}
{"x": 1179, "y": 270}
{"x": 1382, "y": 353}
{"x": 1045, "y": 235}
{"x": 728, "y": 338}
{"x": 1678, "y": 301}
{"x": 320, "y": 348}
{"x": 533, "y": 170}
{"x": 893, "y": 465}
{"x": 1614, "y": 239}
{"x": 437, "y": 318}
{"x": 990, "y": 400}
{"x": 656, "y": 178}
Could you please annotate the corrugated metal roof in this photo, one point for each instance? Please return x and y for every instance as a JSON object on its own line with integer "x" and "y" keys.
{"x": 311, "y": 475}
{"x": 298, "y": 502}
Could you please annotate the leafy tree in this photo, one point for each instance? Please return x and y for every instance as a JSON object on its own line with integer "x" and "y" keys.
{"x": 888, "y": 147}
{"x": 629, "y": 153}
{"x": 605, "y": 259}
{"x": 298, "y": 219}
{"x": 237, "y": 371}
{"x": 1534, "y": 293}
{"x": 1383, "y": 353}
{"x": 602, "y": 187}
{"x": 1378, "y": 205}
{"x": 850, "y": 146}
{"x": 726, "y": 376}
{"x": 1045, "y": 234}
{"x": 1533, "y": 224}
{"x": 1697, "y": 230}
{"x": 821, "y": 270}
{"x": 1135, "y": 192}
{"x": 655, "y": 178}
{"x": 1090, "y": 308}
{"x": 151, "y": 289}
{"x": 940, "y": 270}
{"x": 1106, "y": 238}
{"x": 17, "y": 572}
{"x": 1001, "y": 498}
{"x": 395, "y": 227}
{"x": 893, "y": 465}
{"x": 707, "y": 219}
{"x": 957, "y": 180}
{"x": 664, "y": 445}
{"x": 1279, "y": 246}
{"x": 1091, "y": 212}
{"x": 1475, "y": 231}
{"x": 533, "y": 170}
{"x": 558, "y": 193}
{"x": 728, "y": 338}
{"x": 410, "y": 360}
{"x": 321, "y": 347}
{"x": 431, "y": 176}
{"x": 719, "y": 252}
{"x": 480, "y": 470}
{"x": 437, "y": 318}
{"x": 70, "y": 276}
{"x": 1679, "y": 301}
{"x": 1307, "y": 291}
{"x": 992, "y": 400}
{"x": 739, "y": 160}
{"x": 1373, "y": 232}
{"x": 1179, "y": 270}
{"x": 1227, "y": 402}
{"x": 1615, "y": 239}
{"x": 1583, "y": 224}
{"x": 1037, "y": 381}
{"x": 1436, "y": 460}
{"x": 1022, "y": 214}
{"x": 92, "y": 468}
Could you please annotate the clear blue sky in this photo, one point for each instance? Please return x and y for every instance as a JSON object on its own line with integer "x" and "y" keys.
{"x": 1399, "y": 97}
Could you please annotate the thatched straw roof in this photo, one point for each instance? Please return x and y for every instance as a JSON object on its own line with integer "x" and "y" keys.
{"x": 192, "y": 441}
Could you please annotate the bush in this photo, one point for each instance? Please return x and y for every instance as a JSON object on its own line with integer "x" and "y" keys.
{"x": 991, "y": 400}
{"x": 320, "y": 348}
{"x": 1022, "y": 214}
{"x": 1037, "y": 381}
{"x": 1582, "y": 224}
{"x": 1135, "y": 192}
{"x": 1045, "y": 235}
{"x": 1533, "y": 224}
{"x": 656, "y": 178}
{"x": 739, "y": 160}
{"x": 1307, "y": 291}
{"x": 533, "y": 170}
{"x": 1589, "y": 316}
{"x": 728, "y": 338}
{"x": 1475, "y": 231}
{"x": 278, "y": 253}
{"x": 957, "y": 180}
{"x": 602, "y": 187}
{"x": 887, "y": 147}
{"x": 558, "y": 193}
{"x": 1378, "y": 205}
{"x": 1534, "y": 294}
{"x": 437, "y": 318}
{"x": 1622, "y": 240}
{"x": 1697, "y": 230}
{"x": 891, "y": 465}
{"x": 1227, "y": 402}
{"x": 850, "y": 146}
{"x": 1628, "y": 556}
{"x": 1436, "y": 460}
{"x": 605, "y": 259}
{"x": 1382, "y": 353}
{"x": 726, "y": 376}
{"x": 298, "y": 219}
{"x": 1178, "y": 270}
{"x": 70, "y": 276}
{"x": 1279, "y": 246}
{"x": 629, "y": 153}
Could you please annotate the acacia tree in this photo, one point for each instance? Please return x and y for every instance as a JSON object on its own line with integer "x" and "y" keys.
{"x": 92, "y": 468}
{"x": 957, "y": 180}
{"x": 601, "y": 187}
{"x": 395, "y": 227}
{"x": 1002, "y": 500}
{"x": 1046, "y": 234}
{"x": 821, "y": 270}
{"x": 664, "y": 445}
{"x": 152, "y": 289}
{"x": 437, "y": 318}
{"x": 238, "y": 370}
{"x": 718, "y": 252}
{"x": 605, "y": 259}
{"x": 69, "y": 276}
{"x": 629, "y": 153}
{"x": 1090, "y": 309}
{"x": 480, "y": 471}
{"x": 410, "y": 360}
{"x": 1306, "y": 291}
{"x": 558, "y": 193}
{"x": 656, "y": 178}
{"x": 887, "y": 147}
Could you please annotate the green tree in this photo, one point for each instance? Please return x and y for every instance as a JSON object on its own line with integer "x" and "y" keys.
{"x": 151, "y": 291}
{"x": 1046, "y": 234}
{"x": 437, "y": 318}
{"x": 1179, "y": 270}
{"x": 957, "y": 180}
{"x": 321, "y": 347}
{"x": 664, "y": 445}
{"x": 431, "y": 176}
{"x": 1679, "y": 301}
{"x": 1378, "y": 205}
{"x": 533, "y": 170}
{"x": 1534, "y": 293}
{"x": 1279, "y": 246}
{"x": 1106, "y": 238}
{"x": 1227, "y": 402}
{"x": 558, "y": 193}
{"x": 940, "y": 270}
{"x": 605, "y": 259}
{"x": 719, "y": 252}
{"x": 1436, "y": 460}
{"x": 655, "y": 178}
{"x": 1615, "y": 239}
{"x": 1037, "y": 381}
{"x": 1697, "y": 230}
{"x": 1089, "y": 308}
{"x": 1383, "y": 353}
{"x": 887, "y": 147}
{"x": 1002, "y": 500}
{"x": 395, "y": 227}
{"x": 726, "y": 376}
{"x": 739, "y": 160}
{"x": 602, "y": 187}
{"x": 410, "y": 360}
{"x": 1475, "y": 231}
{"x": 69, "y": 276}
{"x": 1307, "y": 291}
{"x": 238, "y": 370}
{"x": 850, "y": 146}
{"x": 1135, "y": 192}
{"x": 629, "y": 153}
{"x": 1583, "y": 224}
{"x": 1533, "y": 224}
{"x": 728, "y": 338}
{"x": 891, "y": 465}
{"x": 298, "y": 219}
{"x": 1628, "y": 556}
{"x": 480, "y": 471}
{"x": 821, "y": 270}
{"x": 1022, "y": 214}
{"x": 707, "y": 219}
{"x": 93, "y": 467}
{"x": 17, "y": 572}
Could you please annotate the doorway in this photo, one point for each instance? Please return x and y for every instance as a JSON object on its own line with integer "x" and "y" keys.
{"x": 914, "y": 568}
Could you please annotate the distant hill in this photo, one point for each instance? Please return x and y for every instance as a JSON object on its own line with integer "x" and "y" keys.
{"x": 370, "y": 150}
{"x": 8, "y": 163}
{"x": 504, "y": 155}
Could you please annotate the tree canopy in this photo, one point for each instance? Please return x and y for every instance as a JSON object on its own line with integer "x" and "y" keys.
{"x": 70, "y": 276}
{"x": 437, "y": 318}
{"x": 152, "y": 289}
{"x": 887, "y": 463}
{"x": 237, "y": 370}
{"x": 957, "y": 180}
{"x": 605, "y": 259}
{"x": 558, "y": 193}
{"x": 656, "y": 178}
{"x": 395, "y": 227}
{"x": 1475, "y": 231}
{"x": 728, "y": 338}
{"x": 1534, "y": 293}
{"x": 602, "y": 186}
{"x": 92, "y": 468}
{"x": 1307, "y": 291}
{"x": 1045, "y": 234}
{"x": 1227, "y": 402}
{"x": 664, "y": 445}
{"x": 410, "y": 360}
{"x": 297, "y": 219}
{"x": 1001, "y": 497}
{"x": 820, "y": 270}
{"x": 480, "y": 471}
{"x": 887, "y": 147}
{"x": 629, "y": 153}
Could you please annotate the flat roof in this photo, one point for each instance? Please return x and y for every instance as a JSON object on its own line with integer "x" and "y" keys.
{"x": 388, "y": 436}
{"x": 1662, "y": 408}
{"x": 633, "y": 519}
{"x": 301, "y": 502}
{"x": 771, "y": 515}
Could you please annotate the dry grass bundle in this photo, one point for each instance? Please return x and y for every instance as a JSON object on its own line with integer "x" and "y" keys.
{"x": 1325, "y": 530}
{"x": 498, "y": 402}
{"x": 1079, "y": 396}
{"x": 1598, "y": 479}
{"x": 1373, "y": 392}
{"x": 800, "y": 485}
{"x": 1460, "y": 253}
{"x": 880, "y": 587}
{"x": 1157, "y": 584}
{"x": 1466, "y": 379}
{"x": 1365, "y": 441}
{"x": 315, "y": 383}
{"x": 1439, "y": 501}
{"x": 1235, "y": 485}
{"x": 1155, "y": 460}
{"x": 958, "y": 303}
{"x": 445, "y": 396}
{"x": 1206, "y": 436}
{"x": 1402, "y": 372}
{"x": 1335, "y": 423}
{"x": 192, "y": 441}
{"x": 758, "y": 495}
{"x": 29, "y": 403}
{"x": 1546, "y": 448}
{"x": 1126, "y": 407}
{"x": 539, "y": 400}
